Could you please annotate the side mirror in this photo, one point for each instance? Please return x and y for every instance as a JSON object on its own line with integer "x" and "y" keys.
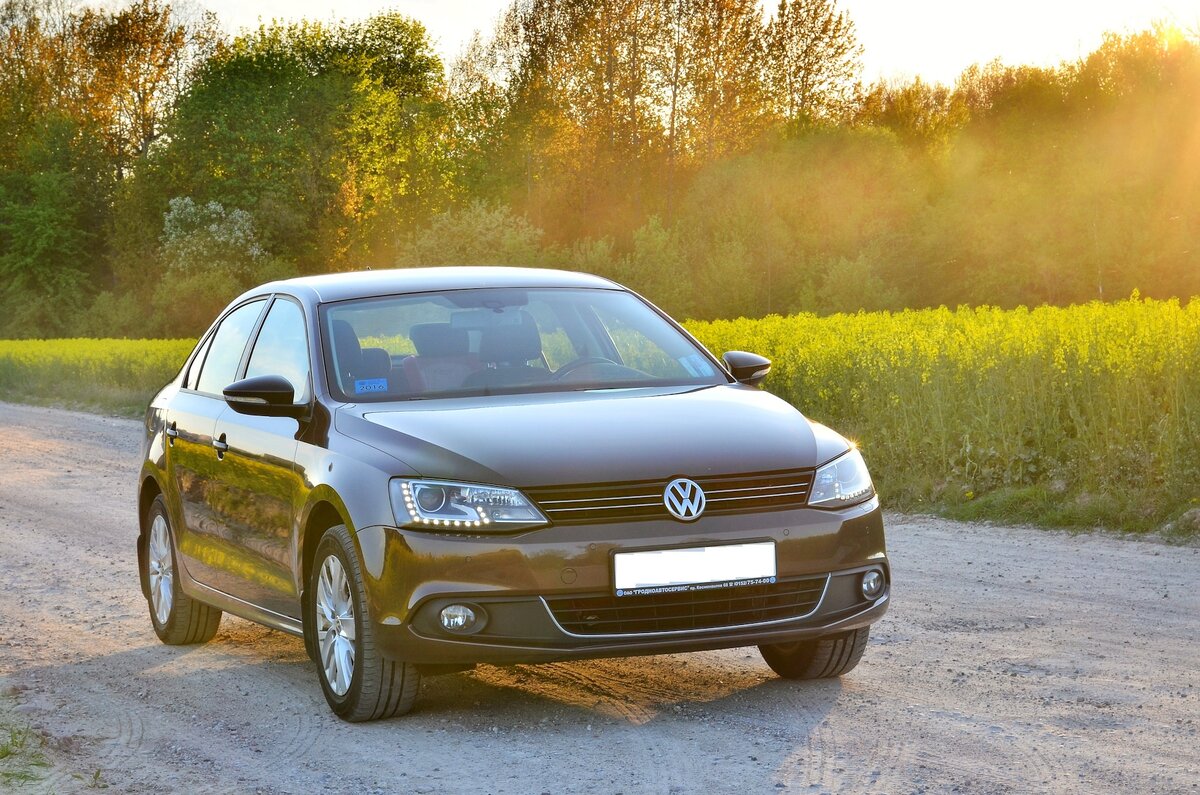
{"x": 264, "y": 396}
{"x": 748, "y": 368}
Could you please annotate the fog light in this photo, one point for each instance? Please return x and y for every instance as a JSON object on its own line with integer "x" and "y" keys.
{"x": 872, "y": 584}
{"x": 458, "y": 618}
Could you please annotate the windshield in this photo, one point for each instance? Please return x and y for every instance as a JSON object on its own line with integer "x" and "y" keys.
{"x": 493, "y": 341}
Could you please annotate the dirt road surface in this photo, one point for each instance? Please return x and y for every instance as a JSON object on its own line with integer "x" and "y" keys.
{"x": 1013, "y": 660}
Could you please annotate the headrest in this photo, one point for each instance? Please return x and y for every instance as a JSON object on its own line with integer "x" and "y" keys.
{"x": 376, "y": 363}
{"x": 516, "y": 342}
{"x": 439, "y": 339}
{"x": 346, "y": 347}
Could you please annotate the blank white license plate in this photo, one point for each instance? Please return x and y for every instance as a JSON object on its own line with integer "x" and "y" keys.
{"x": 693, "y": 568}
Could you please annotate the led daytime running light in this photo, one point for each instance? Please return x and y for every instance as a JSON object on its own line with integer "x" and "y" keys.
{"x": 417, "y": 518}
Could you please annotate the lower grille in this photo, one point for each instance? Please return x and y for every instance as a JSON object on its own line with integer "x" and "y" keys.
{"x": 594, "y": 503}
{"x": 605, "y": 614}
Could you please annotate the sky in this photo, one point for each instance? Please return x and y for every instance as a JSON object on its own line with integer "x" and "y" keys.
{"x": 931, "y": 39}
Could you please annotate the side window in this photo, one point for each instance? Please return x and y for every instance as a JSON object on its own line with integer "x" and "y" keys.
{"x": 282, "y": 348}
{"x": 228, "y": 344}
{"x": 193, "y": 376}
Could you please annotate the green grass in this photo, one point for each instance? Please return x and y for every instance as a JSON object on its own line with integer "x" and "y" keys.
{"x": 25, "y": 760}
{"x": 22, "y": 757}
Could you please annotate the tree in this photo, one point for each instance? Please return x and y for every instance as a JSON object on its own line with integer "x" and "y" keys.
{"x": 330, "y": 138}
{"x": 139, "y": 60}
{"x": 724, "y": 105}
{"x": 478, "y": 234}
{"x": 52, "y": 201}
{"x": 812, "y": 60}
{"x": 210, "y": 254}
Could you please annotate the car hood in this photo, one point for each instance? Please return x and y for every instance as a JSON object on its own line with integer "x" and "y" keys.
{"x": 593, "y": 436}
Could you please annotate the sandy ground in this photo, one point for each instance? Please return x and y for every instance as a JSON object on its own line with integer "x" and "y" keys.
{"x": 1013, "y": 660}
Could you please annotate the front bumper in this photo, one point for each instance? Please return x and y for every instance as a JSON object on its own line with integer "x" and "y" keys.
{"x": 521, "y": 583}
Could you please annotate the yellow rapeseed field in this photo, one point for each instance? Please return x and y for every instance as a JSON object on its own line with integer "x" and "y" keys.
{"x": 1079, "y": 415}
{"x": 112, "y": 375}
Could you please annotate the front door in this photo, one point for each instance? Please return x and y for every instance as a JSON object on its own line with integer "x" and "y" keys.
{"x": 256, "y": 489}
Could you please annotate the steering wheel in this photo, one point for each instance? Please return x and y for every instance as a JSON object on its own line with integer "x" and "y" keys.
{"x": 582, "y": 361}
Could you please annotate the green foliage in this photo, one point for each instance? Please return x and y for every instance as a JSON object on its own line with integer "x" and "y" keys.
{"x": 478, "y": 234}
{"x": 21, "y": 757}
{"x": 51, "y": 205}
{"x": 812, "y": 60}
{"x": 715, "y": 155}
{"x": 198, "y": 238}
{"x": 329, "y": 138}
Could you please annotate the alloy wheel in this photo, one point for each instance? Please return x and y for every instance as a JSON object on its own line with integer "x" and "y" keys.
{"x": 161, "y": 570}
{"x": 335, "y": 625}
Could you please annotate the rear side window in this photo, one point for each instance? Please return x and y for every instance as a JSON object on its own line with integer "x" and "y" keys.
{"x": 282, "y": 348}
{"x": 193, "y": 376}
{"x": 228, "y": 344}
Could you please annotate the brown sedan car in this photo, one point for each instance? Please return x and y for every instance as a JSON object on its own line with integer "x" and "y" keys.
{"x": 421, "y": 470}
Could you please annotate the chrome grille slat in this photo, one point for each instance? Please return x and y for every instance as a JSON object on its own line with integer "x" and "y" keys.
{"x": 752, "y": 497}
{"x": 609, "y": 507}
{"x": 632, "y": 501}
{"x": 748, "y": 488}
{"x": 603, "y": 499}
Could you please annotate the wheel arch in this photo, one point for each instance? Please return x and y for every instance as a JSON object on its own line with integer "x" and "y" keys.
{"x": 148, "y": 490}
{"x": 322, "y": 515}
{"x": 323, "y": 512}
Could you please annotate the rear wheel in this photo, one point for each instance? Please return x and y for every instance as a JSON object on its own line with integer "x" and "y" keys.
{"x": 178, "y": 619}
{"x": 359, "y": 682}
{"x": 821, "y": 658}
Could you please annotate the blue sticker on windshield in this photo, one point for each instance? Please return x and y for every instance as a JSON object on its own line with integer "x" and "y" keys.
{"x": 368, "y": 385}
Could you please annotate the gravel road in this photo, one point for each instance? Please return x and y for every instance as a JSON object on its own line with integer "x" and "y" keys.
{"x": 1013, "y": 660}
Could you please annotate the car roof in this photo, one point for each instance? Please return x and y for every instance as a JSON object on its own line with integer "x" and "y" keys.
{"x": 364, "y": 284}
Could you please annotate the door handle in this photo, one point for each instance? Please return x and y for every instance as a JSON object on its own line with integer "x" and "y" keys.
{"x": 172, "y": 433}
{"x": 221, "y": 445}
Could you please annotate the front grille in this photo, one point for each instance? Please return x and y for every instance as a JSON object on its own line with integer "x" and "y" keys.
{"x": 605, "y": 614}
{"x": 597, "y": 503}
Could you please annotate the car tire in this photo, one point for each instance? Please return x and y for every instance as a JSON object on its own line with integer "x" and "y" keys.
{"x": 178, "y": 619}
{"x": 822, "y": 658}
{"x": 375, "y": 686}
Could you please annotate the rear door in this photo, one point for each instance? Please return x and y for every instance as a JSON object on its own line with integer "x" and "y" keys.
{"x": 192, "y": 457}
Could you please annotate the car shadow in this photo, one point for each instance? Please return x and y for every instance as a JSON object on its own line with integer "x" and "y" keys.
{"x": 269, "y": 713}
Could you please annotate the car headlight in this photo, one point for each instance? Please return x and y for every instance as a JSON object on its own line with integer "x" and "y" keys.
{"x": 843, "y": 481}
{"x": 464, "y": 507}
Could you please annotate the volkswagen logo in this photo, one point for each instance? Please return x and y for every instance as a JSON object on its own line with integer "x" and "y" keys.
{"x": 684, "y": 499}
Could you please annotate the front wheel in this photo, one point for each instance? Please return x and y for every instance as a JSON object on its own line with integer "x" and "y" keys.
{"x": 821, "y": 658}
{"x": 360, "y": 683}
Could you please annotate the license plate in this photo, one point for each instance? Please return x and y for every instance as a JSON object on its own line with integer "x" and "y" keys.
{"x": 693, "y": 568}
